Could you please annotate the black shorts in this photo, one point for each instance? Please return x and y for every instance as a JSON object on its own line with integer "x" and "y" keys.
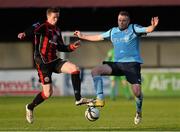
{"x": 45, "y": 70}
{"x": 132, "y": 70}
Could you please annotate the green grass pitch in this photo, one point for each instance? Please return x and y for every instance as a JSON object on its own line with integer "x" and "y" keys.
{"x": 60, "y": 114}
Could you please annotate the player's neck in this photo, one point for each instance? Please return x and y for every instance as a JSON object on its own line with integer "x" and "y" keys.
{"x": 122, "y": 29}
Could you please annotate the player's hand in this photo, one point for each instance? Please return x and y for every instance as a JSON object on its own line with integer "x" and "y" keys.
{"x": 78, "y": 34}
{"x": 154, "y": 21}
{"x": 21, "y": 35}
{"x": 75, "y": 45}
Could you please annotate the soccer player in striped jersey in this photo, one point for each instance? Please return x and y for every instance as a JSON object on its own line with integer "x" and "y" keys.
{"x": 48, "y": 40}
{"x": 125, "y": 40}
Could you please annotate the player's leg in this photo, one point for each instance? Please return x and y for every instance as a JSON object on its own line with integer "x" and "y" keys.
{"x": 72, "y": 69}
{"x": 45, "y": 94}
{"x": 98, "y": 83}
{"x": 46, "y": 82}
{"x": 139, "y": 100}
{"x": 134, "y": 77}
{"x": 40, "y": 97}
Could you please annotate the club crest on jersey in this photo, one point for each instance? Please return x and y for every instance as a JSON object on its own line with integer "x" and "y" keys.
{"x": 46, "y": 79}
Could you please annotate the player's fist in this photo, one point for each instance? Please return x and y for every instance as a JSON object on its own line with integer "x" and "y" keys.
{"x": 75, "y": 45}
{"x": 78, "y": 34}
{"x": 21, "y": 35}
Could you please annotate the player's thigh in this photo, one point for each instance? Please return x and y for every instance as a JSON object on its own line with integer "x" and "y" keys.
{"x": 69, "y": 67}
{"x": 44, "y": 73}
{"x": 102, "y": 70}
{"x": 57, "y": 65}
{"x": 132, "y": 72}
{"x": 116, "y": 68}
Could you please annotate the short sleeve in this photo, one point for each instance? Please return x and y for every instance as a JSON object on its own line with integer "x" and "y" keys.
{"x": 139, "y": 28}
{"x": 106, "y": 35}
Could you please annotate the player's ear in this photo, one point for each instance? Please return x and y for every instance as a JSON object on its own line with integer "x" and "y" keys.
{"x": 48, "y": 15}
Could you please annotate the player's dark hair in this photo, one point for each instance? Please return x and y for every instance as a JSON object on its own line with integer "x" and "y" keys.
{"x": 52, "y": 10}
{"x": 124, "y": 13}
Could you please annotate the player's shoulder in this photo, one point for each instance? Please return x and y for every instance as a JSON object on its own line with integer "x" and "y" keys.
{"x": 40, "y": 27}
{"x": 136, "y": 28}
{"x": 135, "y": 25}
{"x": 115, "y": 29}
{"x": 36, "y": 24}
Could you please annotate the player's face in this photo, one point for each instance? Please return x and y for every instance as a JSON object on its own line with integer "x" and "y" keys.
{"x": 52, "y": 18}
{"x": 123, "y": 22}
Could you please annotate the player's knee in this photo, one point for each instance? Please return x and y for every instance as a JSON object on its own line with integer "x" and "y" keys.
{"x": 137, "y": 93}
{"x": 46, "y": 94}
{"x": 136, "y": 90}
{"x": 75, "y": 72}
{"x": 75, "y": 69}
{"x": 96, "y": 72}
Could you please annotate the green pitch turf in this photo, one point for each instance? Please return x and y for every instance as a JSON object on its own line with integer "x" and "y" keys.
{"x": 60, "y": 114}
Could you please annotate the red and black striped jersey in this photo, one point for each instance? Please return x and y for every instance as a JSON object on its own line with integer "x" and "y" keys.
{"x": 48, "y": 40}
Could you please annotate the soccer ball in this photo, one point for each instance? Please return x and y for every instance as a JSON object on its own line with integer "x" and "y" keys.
{"x": 92, "y": 113}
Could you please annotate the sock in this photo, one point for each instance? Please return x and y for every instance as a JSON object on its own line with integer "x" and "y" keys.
{"x": 98, "y": 85}
{"x": 37, "y": 100}
{"x": 139, "y": 101}
{"x": 76, "y": 82}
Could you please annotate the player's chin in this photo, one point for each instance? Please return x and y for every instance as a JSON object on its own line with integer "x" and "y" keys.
{"x": 54, "y": 23}
{"x": 122, "y": 27}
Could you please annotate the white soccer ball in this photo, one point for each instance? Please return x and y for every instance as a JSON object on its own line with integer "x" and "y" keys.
{"x": 92, "y": 113}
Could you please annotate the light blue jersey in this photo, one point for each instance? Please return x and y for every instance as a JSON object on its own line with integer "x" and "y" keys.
{"x": 125, "y": 43}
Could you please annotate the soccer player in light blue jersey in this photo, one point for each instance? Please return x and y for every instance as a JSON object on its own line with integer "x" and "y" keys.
{"x": 125, "y": 39}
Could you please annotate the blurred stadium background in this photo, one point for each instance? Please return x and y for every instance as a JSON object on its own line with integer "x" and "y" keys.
{"x": 160, "y": 50}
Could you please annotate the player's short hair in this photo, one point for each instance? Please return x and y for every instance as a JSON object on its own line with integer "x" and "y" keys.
{"x": 52, "y": 10}
{"x": 124, "y": 13}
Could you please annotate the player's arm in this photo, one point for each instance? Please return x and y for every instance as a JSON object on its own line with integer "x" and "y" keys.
{"x": 39, "y": 32}
{"x": 88, "y": 37}
{"x": 29, "y": 32}
{"x": 139, "y": 30}
{"x": 154, "y": 23}
{"x": 68, "y": 48}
